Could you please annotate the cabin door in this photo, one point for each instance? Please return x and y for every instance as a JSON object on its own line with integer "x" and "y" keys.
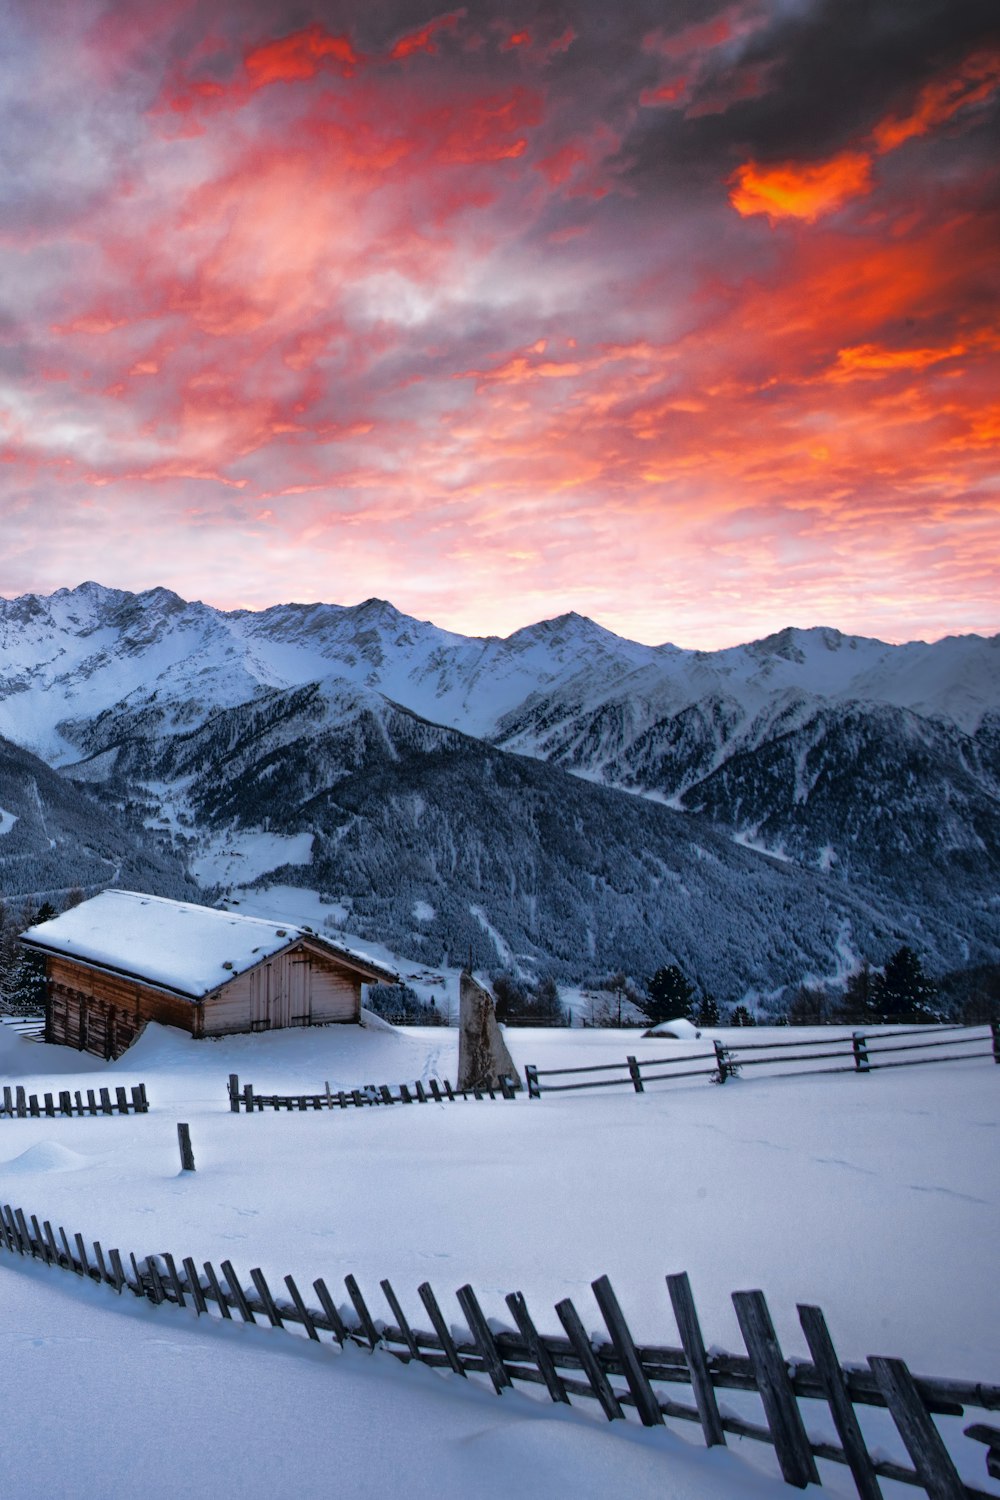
{"x": 300, "y": 988}
{"x": 260, "y": 998}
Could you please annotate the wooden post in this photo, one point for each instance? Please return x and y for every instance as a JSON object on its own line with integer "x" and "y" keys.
{"x": 633, "y": 1068}
{"x": 156, "y": 1281}
{"x": 234, "y": 1093}
{"x": 264, "y": 1293}
{"x": 531, "y": 1078}
{"x": 923, "y": 1442}
{"x": 122, "y": 1100}
{"x": 599, "y": 1382}
{"x": 834, "y": 1383}
{"x": 8, "y": 1097}
{"x": 81, "y": 1251}
{"x": 184, "y": 1141}
{"x": 248, "y": 1098}
{"x": 304, "y": 1314}
{"x": 401, "y": 1323}
{"x": 686, "y": 1314}
{"x": 788, "y": 1433}
{"x": 420, "y": 1092}
{"x": 995, "y": 1031}
{"x": 721, "y": 1059}
{"x": 536, "y": 1347}
{"x": 386, "y": 1093}
{"x": 194, "y": 1285}
{"x": 118, "y": 1270}
{"x": 217, "y": 1292}
{"x": 329, "y": 1307}
{"x": 137, "y": 1104}
{"x": 91, "y": 1101}
{"x": 621, "y": 1337}
{"x": 21, "y": 1105}
{"x": 859, "y": 1045}
{"x": 106, "y": 1102}
{"x": 40, "y": 1240}
{"x": 440, "y": 1327}
{"x": 449, "y": 1091}
{"x": 371, "y": 1333}
{"x": 50, "y": 1108}
{"x": 237, "y": 1291}
{"x": 435, "y": 1089}
{"x": 175, "y": 1280}
{"x": 482, "y": 1336}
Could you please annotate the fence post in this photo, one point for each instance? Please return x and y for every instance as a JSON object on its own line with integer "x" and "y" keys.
{"x": 781, "y": 1408}
{"x": 721, "y": 1059}
{"x": 531, "y": 1078}
{"x": 184, "y": 1141}
{"x": 995, "y": 1029}
{"x": 633, "y": 1068}
{"x": 860, "y": 1045}
{"x": 686, "y": 1313}
{"x": 923, "y": 1441}
{"x": 234, "y": 1093}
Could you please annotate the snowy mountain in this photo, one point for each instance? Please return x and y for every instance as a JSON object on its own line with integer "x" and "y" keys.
{"x": 828, "y": 795}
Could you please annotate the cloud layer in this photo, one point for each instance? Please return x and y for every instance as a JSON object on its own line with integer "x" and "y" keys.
{"x": 508, "y": 309}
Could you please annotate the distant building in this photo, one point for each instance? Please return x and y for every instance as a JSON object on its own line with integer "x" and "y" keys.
{"x": 122, "y": 959}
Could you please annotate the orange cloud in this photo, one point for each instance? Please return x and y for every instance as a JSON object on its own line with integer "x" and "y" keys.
{"x": 973, "y": 82}
{"x": 298, "y": 56}
{"x": 873, "y": 359}
{"x": 422, "y": 40}
{"x": 806, "y": 191}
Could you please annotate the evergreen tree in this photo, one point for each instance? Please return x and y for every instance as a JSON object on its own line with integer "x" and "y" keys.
{"x": 741, "y": 1017}
{"x": 860, "y": 1004}
{"x": 668, "y": 996}
{"x": 903, "y": 992}
{"x": 708, "y": 1011}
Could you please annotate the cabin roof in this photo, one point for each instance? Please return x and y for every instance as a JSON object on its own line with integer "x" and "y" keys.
{"x": 178, "y": 945}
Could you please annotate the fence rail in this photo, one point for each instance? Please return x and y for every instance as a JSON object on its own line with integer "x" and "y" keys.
{"x": 437, "y": 1090}
{"x": 621, "y": 1375}
{"x": 857, "y": 1052}
{"x": 19, "y": 1105}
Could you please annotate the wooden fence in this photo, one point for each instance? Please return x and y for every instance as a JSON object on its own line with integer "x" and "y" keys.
{"x": 857, "y": 1052}
{"x": 438, "y": 1091}
{"x": 18, "y": 1105}
{"x": 624, "y": 1377}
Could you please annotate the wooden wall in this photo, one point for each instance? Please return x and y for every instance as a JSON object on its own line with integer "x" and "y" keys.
{"x": 104, "y": 1013}
{"x": 299, "y": 987}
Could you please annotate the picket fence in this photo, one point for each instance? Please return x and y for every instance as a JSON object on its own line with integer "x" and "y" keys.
{"x": 857, "y": 1052}
{"x": 439, "y": 1090}
{"x": 20, "y": 1106}
{"x": 618, "y": 1373}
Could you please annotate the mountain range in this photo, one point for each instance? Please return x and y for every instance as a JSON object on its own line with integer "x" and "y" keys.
{"x": 558, "y": 800}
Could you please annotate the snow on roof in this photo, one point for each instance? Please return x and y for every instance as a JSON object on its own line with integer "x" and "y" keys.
{"x": 176, "y": 945}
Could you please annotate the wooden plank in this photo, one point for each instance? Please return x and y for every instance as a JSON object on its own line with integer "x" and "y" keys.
{"x": 305, "y": 1316}
{"x": 435, "y": 1089}
{"x": 8, "y": 1100}
{"x": 791, "y": 1444}
{"x": 21, "y": 1104}
{"x": 78, "y": 1102}
{"x": 24, "y": 1231}
{"x": 137, "y": 1106}
{"x": 121, "y": 1099}
{"x": 264, "y": 1293}
{"x": 621, "y": 1337}
{"x": 70, "y": 1262}
{"x": 117, "y": 1270}
{"x": 982, "y": 1432}
{"x": 599, "y": 1382}
{"x": 184, "y": 1142}
{"x": 81, "y": 1251}
{"x": 923, "y": 1442}
{"x": 234, "y": 1093}
{"x": 636, "y": 1076}
{"x": 173, "y": 1277}
{"x": 400, "y": 1316}
{"x": 106, "y": 1102}
{"x": 483, "y": 1337}
{"x": 33, "y": 1104}
{"x": 194, "y": 1285}
{"x": 449, "y": 1091}
{"x": 404, "y": 1094}
{"x": 368, "y": 1328}
{"x": 834, "y": 1383}
{"x": 537, "y": 1347}
{"x": 159, "y": 1290}
{"x": 217, "y": 1292}
{"x": 91, "y": 1101}
{"x": 440, "y": 1327}
{"x": 36, "y": 1229}
{"x": 686, "y": 1314}
{"x": 50, "y": 1108}
{"x": 140, "y": 1285}
{"x": 386, "y": 1093}
{"x": 51, "y": 1239}
{"x": 326, "y": 1302}
{"x": 238, "y": 1294}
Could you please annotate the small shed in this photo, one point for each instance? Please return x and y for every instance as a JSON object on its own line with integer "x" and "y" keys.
{"x": 122, "y": 959}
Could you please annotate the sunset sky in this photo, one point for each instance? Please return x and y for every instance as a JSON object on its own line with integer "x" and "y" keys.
{"x": 681, "y": 315}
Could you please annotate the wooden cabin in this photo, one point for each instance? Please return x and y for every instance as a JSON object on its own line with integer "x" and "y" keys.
{"x": 122, "y": 959}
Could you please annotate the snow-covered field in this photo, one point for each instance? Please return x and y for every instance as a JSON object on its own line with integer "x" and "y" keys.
{"x": 876, "y": 1197}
